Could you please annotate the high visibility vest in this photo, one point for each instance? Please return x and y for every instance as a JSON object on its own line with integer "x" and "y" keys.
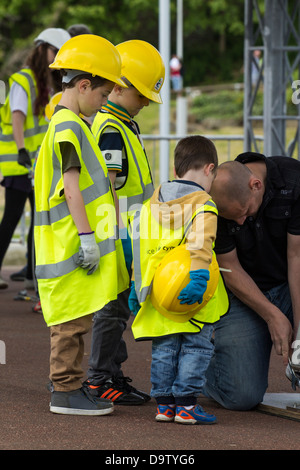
{"x": 66, "y": 290}
{"x": 35, "y": 127}
{"x": 151, "y": 241}
{"x": 138, "y": 187}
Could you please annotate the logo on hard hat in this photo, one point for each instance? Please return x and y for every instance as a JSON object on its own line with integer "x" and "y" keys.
{"x": 158, "y": 84}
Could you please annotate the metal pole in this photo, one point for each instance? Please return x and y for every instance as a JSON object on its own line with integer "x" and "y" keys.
{"x": 179, "y": 32}
{"x": 181, "y": 101}
{"x": 247, "y": 72}
{"x": 164, "y": 108}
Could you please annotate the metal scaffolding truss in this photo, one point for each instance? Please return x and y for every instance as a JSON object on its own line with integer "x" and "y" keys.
{"x": 272, "y": 81}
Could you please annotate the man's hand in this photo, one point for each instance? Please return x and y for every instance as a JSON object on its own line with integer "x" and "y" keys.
{"x": 245, "y": 289}
{"x": 281, "y": 333}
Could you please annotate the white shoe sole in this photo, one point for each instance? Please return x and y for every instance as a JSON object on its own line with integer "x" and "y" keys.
{"x": 79, "y": 412}
{"x": 163, "y": 418}
{"x": 180, "y": 420}
{"x": 177, "y": 419}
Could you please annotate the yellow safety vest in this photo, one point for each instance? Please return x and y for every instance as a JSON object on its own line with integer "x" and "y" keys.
{"x": 148, "y": 251}
{"x": 66, "y": 290}
{"x": 35, "y": 127}
{"x": 138, "y": 187}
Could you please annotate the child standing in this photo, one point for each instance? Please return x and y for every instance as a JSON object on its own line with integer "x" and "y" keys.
{"x": 181, "y": 351}
{"x": 22, "y": 129}
{"x": 122, "y": 147}
{"x": 79, "y": 263}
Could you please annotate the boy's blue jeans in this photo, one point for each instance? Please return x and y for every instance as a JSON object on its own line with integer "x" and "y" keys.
{"x": 179, "y": 363}
{"x": 237, "y": 376}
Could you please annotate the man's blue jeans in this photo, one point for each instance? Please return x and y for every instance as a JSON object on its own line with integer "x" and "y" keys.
{"x": 178, "y": 366}
{"x": 237, "y": 376}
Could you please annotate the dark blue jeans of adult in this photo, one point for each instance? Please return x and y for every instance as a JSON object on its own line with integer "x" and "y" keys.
{"x": 237, "y": 376}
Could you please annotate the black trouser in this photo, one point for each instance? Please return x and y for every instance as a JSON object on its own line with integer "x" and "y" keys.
{"x": 108, "y": 349}
{"x": 14, "y": 206}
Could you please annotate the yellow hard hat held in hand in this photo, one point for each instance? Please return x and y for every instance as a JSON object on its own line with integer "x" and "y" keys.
{"x": 171, "y": 277}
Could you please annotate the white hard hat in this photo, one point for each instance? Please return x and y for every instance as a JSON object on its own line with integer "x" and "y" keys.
{"x": 56, "y": 37}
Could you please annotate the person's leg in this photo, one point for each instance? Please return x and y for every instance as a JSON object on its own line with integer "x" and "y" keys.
{"x": 163, "y": 373}
{"x": 165, "y": 351}
{"x": 108, "y": 352}
{"x": 193, "y": 360}
{"x": 108, "y": 349}
{"x": 30, "y": 244}
{"x": 237, "y": 376}
{"x": 68, "y": 395}
{"x": 13, "y": 210}
{"x": 67, "y": 349}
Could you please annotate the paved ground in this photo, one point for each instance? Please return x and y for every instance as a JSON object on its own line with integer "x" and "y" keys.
{"x": 26, "y": 423}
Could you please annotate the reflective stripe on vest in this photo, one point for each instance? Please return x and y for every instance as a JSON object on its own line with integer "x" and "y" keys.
{"x": 35, "y": 127}
{"x": 147, "y": 244}
{"x": 138, "y": 187}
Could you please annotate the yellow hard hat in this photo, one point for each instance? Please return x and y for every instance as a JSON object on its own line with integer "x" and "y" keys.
{"x": 143, "y": 66}
{"x": 92, "y": 54}
{"x": 49, "y": 109}
{"x": 171, "y": 276}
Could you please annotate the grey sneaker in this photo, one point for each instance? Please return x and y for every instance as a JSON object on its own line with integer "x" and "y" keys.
{"x": 79, "y": 402}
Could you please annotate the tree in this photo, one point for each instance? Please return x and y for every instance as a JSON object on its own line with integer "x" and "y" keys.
{"x": 212, "y": 29}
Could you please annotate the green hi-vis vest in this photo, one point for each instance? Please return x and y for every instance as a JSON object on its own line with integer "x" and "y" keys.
{"x": 35, "y": 127}
{"x": 66, "y": 291}
{"x": 151, "y": 241}
{"x": 138, "y": 187}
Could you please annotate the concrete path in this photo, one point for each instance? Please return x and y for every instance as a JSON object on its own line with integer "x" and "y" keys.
{"x": 27, "y": 424}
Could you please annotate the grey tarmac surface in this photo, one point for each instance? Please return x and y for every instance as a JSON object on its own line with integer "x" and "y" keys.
{"x": 27, "y": 424}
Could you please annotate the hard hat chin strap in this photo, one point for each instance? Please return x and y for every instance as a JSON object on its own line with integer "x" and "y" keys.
{"x": 127, "y": 82}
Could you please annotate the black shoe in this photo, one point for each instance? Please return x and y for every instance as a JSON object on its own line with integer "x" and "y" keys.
{"x": 20, "y": 275}
{"x": 118, "y": 393}
{"x": 124, "y": 382}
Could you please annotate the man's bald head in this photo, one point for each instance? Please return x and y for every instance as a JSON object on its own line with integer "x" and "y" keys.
{"x": 231, "y": 184}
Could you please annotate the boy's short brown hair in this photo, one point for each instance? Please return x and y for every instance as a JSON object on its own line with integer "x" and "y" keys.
{"x": 192, "y": 153}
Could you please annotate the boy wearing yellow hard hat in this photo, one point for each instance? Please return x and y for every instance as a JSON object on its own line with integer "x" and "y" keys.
{"x": 80, "y": 265}
{"x": 120, "y": 142}
{"x": 177, "y": 282}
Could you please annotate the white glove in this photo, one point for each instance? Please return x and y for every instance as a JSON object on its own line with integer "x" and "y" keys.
{"x": 89, "y": 253}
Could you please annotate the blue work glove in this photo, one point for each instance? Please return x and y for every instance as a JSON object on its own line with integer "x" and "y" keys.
{"x": 126, "y": 243}
{"x": 133, "y": 302}
{"x": 89, "y": 253}
{"x": 195, "y": 289}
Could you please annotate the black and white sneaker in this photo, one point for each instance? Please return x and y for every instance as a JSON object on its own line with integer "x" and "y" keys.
{"x": 117, "y": 390}
{"x": 124, "y": 382}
